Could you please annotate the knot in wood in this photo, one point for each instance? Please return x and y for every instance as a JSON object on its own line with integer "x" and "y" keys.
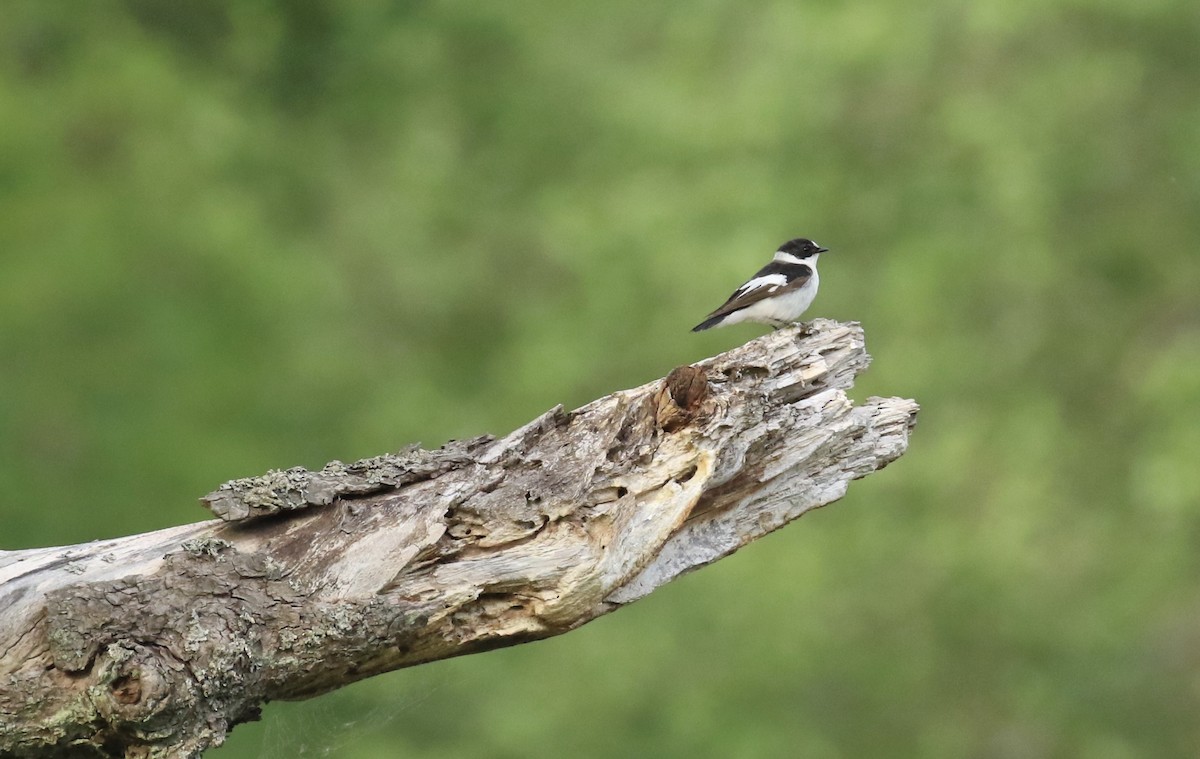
{"x": 130, "y": 691}
{"x": 681, "y": 397}
{"x": 127, "y": 689}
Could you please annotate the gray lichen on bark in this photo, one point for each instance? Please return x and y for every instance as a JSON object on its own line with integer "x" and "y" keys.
{"x": 298, "y": 488}
{"x": 158, "y": 644}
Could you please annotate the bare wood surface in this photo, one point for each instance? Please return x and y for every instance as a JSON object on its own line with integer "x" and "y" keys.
{"x": 157, "y": 644}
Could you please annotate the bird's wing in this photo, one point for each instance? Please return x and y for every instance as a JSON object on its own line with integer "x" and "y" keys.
{"x": 768, "y": 282}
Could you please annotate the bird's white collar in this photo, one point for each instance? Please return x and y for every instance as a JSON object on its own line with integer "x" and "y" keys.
{"x": 788, "y": 258}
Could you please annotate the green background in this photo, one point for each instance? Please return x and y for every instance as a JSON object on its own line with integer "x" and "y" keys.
{"x": 237, "y": 236}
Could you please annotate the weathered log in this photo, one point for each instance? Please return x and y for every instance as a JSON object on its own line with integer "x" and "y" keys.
{"x": 158, "y": 644}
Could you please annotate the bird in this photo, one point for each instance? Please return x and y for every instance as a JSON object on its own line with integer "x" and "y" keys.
{"x": 778, "y": 293}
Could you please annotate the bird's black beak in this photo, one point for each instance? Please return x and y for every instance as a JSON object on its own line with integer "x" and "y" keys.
{"x": 822, "y": 250}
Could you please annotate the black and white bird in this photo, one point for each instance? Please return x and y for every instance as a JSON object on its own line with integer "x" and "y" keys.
{"x": 778, "y": 294}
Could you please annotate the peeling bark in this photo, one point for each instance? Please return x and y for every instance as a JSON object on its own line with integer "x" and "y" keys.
{"x": 158, "y": 644}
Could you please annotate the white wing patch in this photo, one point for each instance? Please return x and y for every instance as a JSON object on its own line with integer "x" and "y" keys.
{"x": 772, "y": 281}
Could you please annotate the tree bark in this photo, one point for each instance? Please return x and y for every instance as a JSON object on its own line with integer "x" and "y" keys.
{"x": 156, "y": 645}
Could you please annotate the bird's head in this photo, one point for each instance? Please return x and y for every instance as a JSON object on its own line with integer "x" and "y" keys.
{"x": 799, "y": 251}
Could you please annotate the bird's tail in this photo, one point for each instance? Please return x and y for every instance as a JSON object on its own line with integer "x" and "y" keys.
{"x": 708, "y": 323}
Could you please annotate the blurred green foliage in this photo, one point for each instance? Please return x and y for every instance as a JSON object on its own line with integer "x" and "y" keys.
{"x": 239, "y": 236}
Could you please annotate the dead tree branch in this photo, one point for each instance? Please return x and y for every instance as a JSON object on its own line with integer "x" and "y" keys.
{"x": 156, "y": 645}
